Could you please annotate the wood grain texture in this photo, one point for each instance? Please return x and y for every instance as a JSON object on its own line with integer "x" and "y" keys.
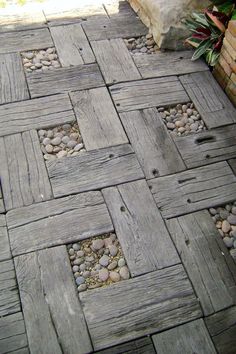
{"x": 13, "y": 85}
{"x": 207, "y": 147}
{"x": 168, "y": 63}
{"x": 119, "y": 9}
{"x": 152, "y": 144}
{"x": 21, "y": 20}
{"x": 191, "y": 337}
{"x": 2, "y": 208}
{"x": 12, "y": 334}
{"x": 103, "y": 28}
{"x": 80, "y": 77}
{"x": 97, "y": 118}
{"x": 142, "y": 311}
{"x": 25, "y": 40}
{"x": 210, "y": 267}
{"x": 46, "y": 224}
{"x": 50, "y": 303}
{"x": 140, "y": 229}
{"x": 195, "y": 189}
{"x": 232, "y": 163}
{"x": 130, "y": 96}
{"x": 9, "y": 298}
{"x": 5, "y": 252}
{"x": 22, "y": 170}
{"x": 222, "y": 328}
{"x": 139, "y": 346}
{"x": 209, "y": 99}
{"x": 115, "y": 61}
{"x": 72, "y": 45}
{"x": 35, "y": 114}
{"x": 94, "y": 170}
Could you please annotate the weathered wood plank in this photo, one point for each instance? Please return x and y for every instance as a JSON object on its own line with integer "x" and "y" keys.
{"x": 139, "y": 346}
{"x": 94, "y": 170}
{"x": 195, "y": 189}
{"x": 13, "y": 85}
{"x": 119, "y": 9}
{"x": 51, "y": 312}
{"x": 142, "y": 311}
{"x": 232, "y": 164}
{"x": 209, "y": 99}
{"x": 46, "y": 224}
{"x": 5, "y": 252}
{"x": 12, "y": 334}
{"x": 207, "y": 147}
{"x": 103, "y": 28}
{"x": 25, "y": 40}
{"x": 62, "y": 80}
{"x": 97, "y": 118}
{"x": 130, "y": 96}
{"x": 168, "y": 63}
{"x": 152, "y": 144}
{"x": 2, "y": 208}
{"x": 9, "y": 298}
{"x": 222, "y": 328}
{"x": 23, "y": 173}
{"x": 35, "y": 114}
{"x": 141, "y": 231}
{"x": 22, "y": 20}
{"x": 115, "y": 61}
{"x": 211, "y": 269}
{"x": 72, "y": 45}
{"x": 191, "y": 337}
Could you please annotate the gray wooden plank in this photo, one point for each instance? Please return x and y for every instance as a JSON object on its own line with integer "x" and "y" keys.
{"x": 119, "y": 9}
{"x": 5, "y": 252}
{"x": 12, "y": 334}
{"x": 195, "y": 189}
{"x": 130, "y": 96}
{"x": 9, "y": 297}
{"x": 139, "y": 346}
{"x": 210, "y": 267}
{"x": 13, "y": 85}
{"x": 2, "y": 208}
{"x": 144, "y": 309}
{"x": 209, "y": 99}
{"x": 232, "y": 163}
{"x": 189, "y": 338}
{"x": 123, "y": 27}
{"x": 207, "y": 147}
{"x": 72, "y": 45}
{"x": 21, "y": 20}
{"x": 51, "y": 312}
{"x": 23, "y": 173}
{"x": 94, "y": 170}
{"x": 168, "y": 63}
{"x": 140, "y": 229}
{"x": 46, "y": 224}
{"x": 152, "y": 144}
{"x": 25, "y": 40}
{"x": 97, "y": 118}
{"x": 35, "y": 114}
{"x": 115, "y": 61}
{"x": 222, "y": 328}
{"x": 62, "y": 80}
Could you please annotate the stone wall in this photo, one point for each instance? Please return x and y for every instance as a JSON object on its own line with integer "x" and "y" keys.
{"x": 164, "y": 17}
{"x": 225, "y": 70}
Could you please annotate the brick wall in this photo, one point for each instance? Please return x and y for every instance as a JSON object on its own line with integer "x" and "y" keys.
{"x": 225, "y": 70}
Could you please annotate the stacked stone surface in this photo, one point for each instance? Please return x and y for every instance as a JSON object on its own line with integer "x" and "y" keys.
{"x": 40, "y": 60}
{"x": 141, "y": 45}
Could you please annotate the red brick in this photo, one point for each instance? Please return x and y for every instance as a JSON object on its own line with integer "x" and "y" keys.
{"x": 233, "y": 78}
{"x": 231, "y": 39}
{"x": 228, "y": 58}
{"x": 230, "y": 49}
{"x": 220, "y": 75}
{"x": 231, "y": 91}
{"x": 225, "y": 66}
{"x": 232, "y": 27}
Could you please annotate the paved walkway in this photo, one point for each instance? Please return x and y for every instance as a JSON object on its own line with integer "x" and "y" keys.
{"x": 154, "y": 151}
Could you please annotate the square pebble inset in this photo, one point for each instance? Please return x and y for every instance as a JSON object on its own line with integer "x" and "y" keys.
{"x": 61, "y": 141}
{"x": 98, "y": 261}
{"x": 182, "y": 119}
{"x": 224, "y": 218}
{"x": 142, "y": 45}
{"x": 40, "y": 60}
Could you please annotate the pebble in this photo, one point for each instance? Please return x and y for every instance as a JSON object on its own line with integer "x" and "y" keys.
{"x": 82, "y": 287}
{"x": 71, "y": 144}
{"x": 103, "y": 274}
{"x": 78, "y": 147}
{"x": 46, "y": 141}
{"x": 142, "y": 45}
{"x": 61, "y": 154}
{"x": 113, "y": 250}
{"x": 80, "y": 253}
{"x": 40, "y": 60}
{"x": 112, "y": 265}
{"x": 56, "y": 141}
{"x": 114, "y": 276}
{"x": 124, "y": 273}
{"x": 225, "y": 226}
{"x": 232, "y": 219}
{"x": 49, "y": 148}
{"x": 121, "y": 262}
{"x": 104, "y": 260}
{"x": 80, "y": 280}
{"x": 228, "y": 242}
{"x": 75, "y": 268}
{"x": 98, "y": 244}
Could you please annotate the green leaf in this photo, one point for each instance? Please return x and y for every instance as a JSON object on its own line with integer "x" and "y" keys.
{"x": 233, "y": 15}
{"x": 202, "y": 48}
{"x": 200, "y": 18}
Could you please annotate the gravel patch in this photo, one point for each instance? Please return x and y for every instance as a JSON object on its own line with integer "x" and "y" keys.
{"x": 40, "y": 60}
{"x": 182, "y": 119}
{"x": 97, "y": 262}
{"x": 224, "y": 218}
{"x": 142, "y": 45}
{"x": 61, "y": 141}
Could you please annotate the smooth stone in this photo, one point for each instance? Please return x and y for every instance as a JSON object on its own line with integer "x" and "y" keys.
{"x": 232, "y": 219}
{"x": 225, "y": 226}
{"x": 50, "y": 50}
{"x": 61, "y": 154}
{"x": 80, "y": 280}
{"x": 82, "y": 287}
{"x": 103, "y": 274}
{"x": 76, "y": 274}
{"x": 121, "y": 262}
{"x": 181, "y": 130}
{"x": 56, "y": 141}
{"x": 233, "y": 210}
{"x": 75, "y": 268}
{"x": 143, "y": 50}
{"x": 124, "y": 273}
{"x": 170, "y": 125}
{"x": 224, "y": 214}
{"x": 76, "y": 247}
{"x": 71, "y": 251}
{"x": 104, "y": 260}
{"x": 82, "y": 267}
{"x": 114, "y": 276}
{"x": 86, "y": 274}
{"x": 107, "y": 242}
{"x": 29, "y": 55}
{"x": 194, "y": 126}
{"x": 49, "y": 148}
{"x": 65, "y": 139}
{"x": 66, "y": 126}
{"x": 46, "y": 62}
{"x": 80, "y": 253}
{"x": 112, "y": 265}
{"x": 98, "y": 244}
{"x": 79, "y": 261}
{"x": 228, "y": 241}
{"x": 179, "y": 123}
{"x": 71, "y": 144}
{"x": 113, "y": 250}
{"x": 78, "y": 147}
{"x": 97, "y": 267}
{"x": 46, "y": 141}
{"x": 49, "y": 157}
{"x": 50, "y": 134}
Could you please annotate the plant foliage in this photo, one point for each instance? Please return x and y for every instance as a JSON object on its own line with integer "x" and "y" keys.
{"x": 208, "y": 29}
